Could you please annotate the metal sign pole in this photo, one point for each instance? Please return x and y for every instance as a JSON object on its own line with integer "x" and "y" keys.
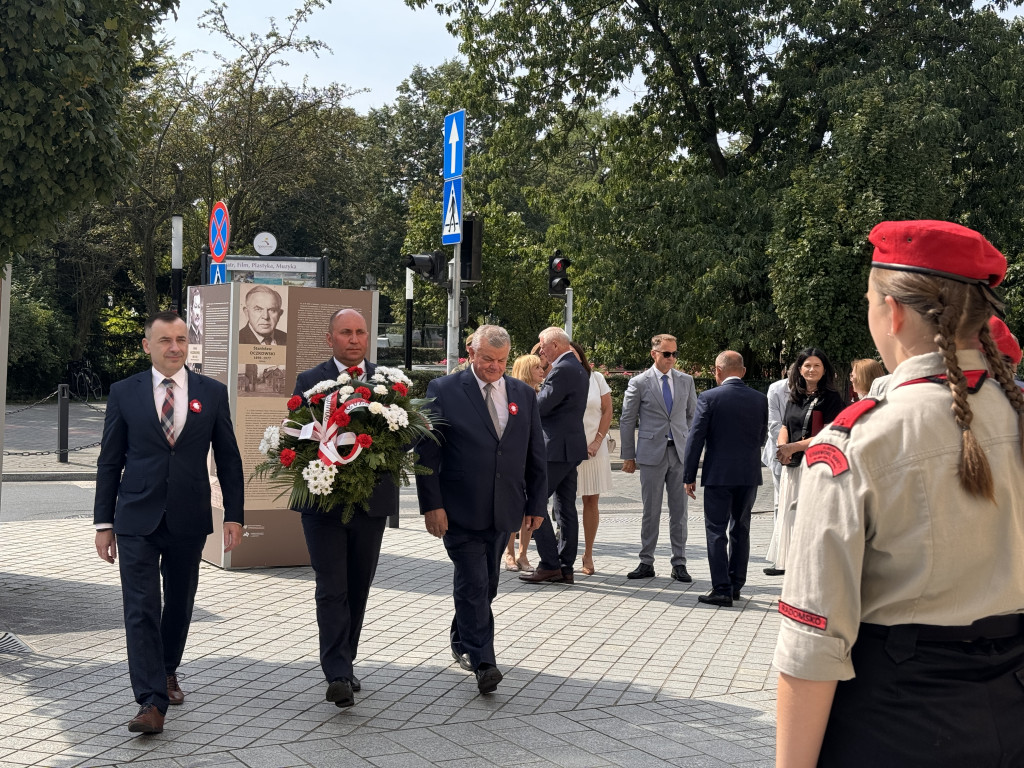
{"x": 408, "y": 319}
{"x": 453, "y": 310}
{"x": 568, "y": 312}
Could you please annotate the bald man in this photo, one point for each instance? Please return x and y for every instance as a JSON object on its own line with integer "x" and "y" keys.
{"x": 729, "y": 426}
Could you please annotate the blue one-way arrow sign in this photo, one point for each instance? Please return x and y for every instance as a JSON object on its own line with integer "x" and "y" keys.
{"x": 454, "y": 143}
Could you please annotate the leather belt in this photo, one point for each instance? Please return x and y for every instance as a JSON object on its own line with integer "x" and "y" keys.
{"x": 989, "y": 628}
{"x": 671, "y": 443}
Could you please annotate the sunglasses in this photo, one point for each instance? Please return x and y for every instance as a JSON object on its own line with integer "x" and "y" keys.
{"x": 668, "y": 354}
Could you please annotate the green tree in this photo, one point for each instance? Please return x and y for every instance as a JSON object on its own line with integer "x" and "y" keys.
{"x": 65, "y": 139}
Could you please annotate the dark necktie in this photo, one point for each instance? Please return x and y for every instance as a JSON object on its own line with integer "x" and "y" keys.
{"x": 488, "y": 388}
{"x": 167, "y": 411}
{"x": 666, "y": 392}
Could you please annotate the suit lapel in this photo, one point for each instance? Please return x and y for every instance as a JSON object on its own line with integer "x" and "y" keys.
{"x": 476, "y": 400}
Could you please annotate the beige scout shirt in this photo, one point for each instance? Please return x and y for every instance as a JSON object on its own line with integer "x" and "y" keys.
{"x": 894, "y": 539}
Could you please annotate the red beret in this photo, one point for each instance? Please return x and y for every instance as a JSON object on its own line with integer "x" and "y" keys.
{"x": 937, "y": 248}
{"x": 1005, "y": 340}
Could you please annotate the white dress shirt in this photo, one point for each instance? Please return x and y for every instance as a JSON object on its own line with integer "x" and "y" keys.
{"x": 498, "y": 396}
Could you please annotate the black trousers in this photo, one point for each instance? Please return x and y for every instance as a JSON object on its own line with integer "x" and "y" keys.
{"x": 344, "y": 559}
{"x": 475, "y": 555}
{"x": 155, "y": 631}
{"x": 727, "y": 525}
{"x": 561, "y": 552}
{"x": 928, "y": 704}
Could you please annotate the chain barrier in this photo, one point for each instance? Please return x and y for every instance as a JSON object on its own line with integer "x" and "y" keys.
{"x": 86, "y": 403}
{"x": 52, "y": 453}
{"x": 29, "y": 407}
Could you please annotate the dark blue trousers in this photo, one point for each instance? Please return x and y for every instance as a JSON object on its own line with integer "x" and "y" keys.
{"x": 344, "y": 559}
{"x": 476, "y": 556}
{"x": 561, "y": 552}
{"x": 727, "y": 524}
{"x": 155, "y": 633}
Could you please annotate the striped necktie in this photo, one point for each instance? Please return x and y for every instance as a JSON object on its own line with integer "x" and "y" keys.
{"x": 167, "y": 411}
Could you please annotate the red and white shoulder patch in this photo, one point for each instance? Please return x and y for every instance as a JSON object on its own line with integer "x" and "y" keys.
{"x": 849, "y": 415}
{"x": 803, "y": 617}
{"x": 829, "y": 455}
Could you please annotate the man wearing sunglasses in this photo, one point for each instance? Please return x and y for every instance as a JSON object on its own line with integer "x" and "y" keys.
{"x": 657, "y": 411}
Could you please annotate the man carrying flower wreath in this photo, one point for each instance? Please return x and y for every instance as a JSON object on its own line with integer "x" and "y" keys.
{"x": 488, "y": 473}
{"x": 343, "y": 555}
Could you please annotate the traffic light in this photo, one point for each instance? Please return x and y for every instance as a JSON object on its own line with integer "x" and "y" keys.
{"x": 558, "y": 279}
{"x": 431, "y": 266}
{"x": 472, "y": 240}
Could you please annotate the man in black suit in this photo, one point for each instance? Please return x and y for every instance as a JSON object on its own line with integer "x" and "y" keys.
{"x": 488, "y": 473}
{"x": 344, "y": 555}
{"x": 262, "y": 310}
{"x": 158, "y": 429}
{"x": 730, "y": 426}
{"x": 562, "y": 400}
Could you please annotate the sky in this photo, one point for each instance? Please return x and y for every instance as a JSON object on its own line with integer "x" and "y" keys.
{"x": 375, "y": 43}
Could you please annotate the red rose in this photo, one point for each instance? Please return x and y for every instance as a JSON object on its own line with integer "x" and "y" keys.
{"x": 363, "y": 392}
{"x": 355, "y": 370}
{"x": 364, "y": 440}
{"x": 294, "y": 403}
{"x": 317, "y": 398}
{"x": 400, "y": 388}
{"x": 287, "y": 457}
{"x": 340, "y": 418}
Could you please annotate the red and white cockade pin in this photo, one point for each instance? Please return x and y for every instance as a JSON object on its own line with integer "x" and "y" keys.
{"x": 513, "y": 408}
{"x": 195, "y": 406}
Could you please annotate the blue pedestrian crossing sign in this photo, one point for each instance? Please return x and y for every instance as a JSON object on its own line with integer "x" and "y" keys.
{"x": 218, "y": 273}
{"x": 451, "y": 229}
{"x": 454, "y": 144}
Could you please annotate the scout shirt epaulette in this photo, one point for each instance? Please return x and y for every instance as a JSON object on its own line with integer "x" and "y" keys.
{"x": 974, "y": 380}
{"x": 849, "y": 415}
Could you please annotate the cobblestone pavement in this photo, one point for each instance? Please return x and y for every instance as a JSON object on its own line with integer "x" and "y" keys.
{"x": 607, "y": 672}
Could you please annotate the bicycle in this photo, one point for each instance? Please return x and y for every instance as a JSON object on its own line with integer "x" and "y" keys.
{"x": 83, "y": 381}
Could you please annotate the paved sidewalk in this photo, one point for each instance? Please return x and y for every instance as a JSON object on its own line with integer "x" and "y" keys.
{"x": 607, "y": 672}
{"x": 34, "y": 432}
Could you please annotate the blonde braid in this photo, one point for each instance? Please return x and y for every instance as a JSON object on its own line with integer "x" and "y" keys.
{"x": 974, "y": 471}
{"x": 1005, "y": 377}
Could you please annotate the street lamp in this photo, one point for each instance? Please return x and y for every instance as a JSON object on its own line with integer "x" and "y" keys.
{"x": 176, "y": 233}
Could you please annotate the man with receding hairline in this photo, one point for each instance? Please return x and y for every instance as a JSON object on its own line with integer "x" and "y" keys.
{"x": 730, "y": 426}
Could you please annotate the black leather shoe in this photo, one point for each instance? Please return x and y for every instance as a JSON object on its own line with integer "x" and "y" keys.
{"x": 643, "y": 571}
{"x": 775, "y": 571}
{"x": 716, "y": 598}
{"x": 679, "y": 573}
{"x": 736, "y": 595}
{"x": 567, "y": 577}
{"x": 487, "y": 679}
{"x": 340, "y": 692}
{"x": 356, "y": 685}
{"x": 463, "y": 660}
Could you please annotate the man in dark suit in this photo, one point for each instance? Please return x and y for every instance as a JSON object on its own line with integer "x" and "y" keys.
{"x": 562, "y": 400}
{"x": 488, "y": 473}
{"x": 158, "y": 429}
{"x": 262, "y": 310}
{"x": 730, "y": 426}
{"x": 344, "y": 555}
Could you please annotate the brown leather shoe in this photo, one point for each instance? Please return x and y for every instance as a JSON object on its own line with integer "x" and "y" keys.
{"x": 174, "y": 693}
{"x": 149, "y": 720}
{"x": 554, "y": 575}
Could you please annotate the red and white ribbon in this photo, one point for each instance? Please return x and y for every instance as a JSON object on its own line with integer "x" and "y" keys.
{"x": 332, "y": 436}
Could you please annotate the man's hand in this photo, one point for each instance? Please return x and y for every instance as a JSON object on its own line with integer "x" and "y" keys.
{"x": 533, "y": 522}
{"x": 436, "y": 521}
{"x": 691, "y": 489}
{"x": 106, "y": 545}
{"x": 232, "y": 536}
{"x": 629, "y": 466}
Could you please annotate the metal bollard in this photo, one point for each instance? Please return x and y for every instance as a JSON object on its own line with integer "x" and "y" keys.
{"x": 63, "y": 412}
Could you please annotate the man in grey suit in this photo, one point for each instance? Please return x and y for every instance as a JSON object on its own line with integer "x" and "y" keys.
{"x": 657, "y": 411}
{"x": 778, "y": 394}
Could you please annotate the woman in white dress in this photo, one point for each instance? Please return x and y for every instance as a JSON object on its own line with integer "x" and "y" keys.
{"x": 594, "y": 475}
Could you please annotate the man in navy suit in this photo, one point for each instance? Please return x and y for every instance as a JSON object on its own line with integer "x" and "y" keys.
{"x": 158, "y": 429}
{"x": 488, "y": 473}
{"x": 562, "y": 400}
{"x": 344, "y": 555}
{"x": 730, "y": 426}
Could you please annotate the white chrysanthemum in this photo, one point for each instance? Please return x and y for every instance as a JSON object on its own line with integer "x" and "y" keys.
{"x": 377, "y": 377}
{"x": 319, "y": 477}
{"x": 377, "y": 408}
{"x": 380, "y": 389}
{"x": 343, "y": 378}
{"x": 394, "y": 375}
{"x": 271, "y": 439}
